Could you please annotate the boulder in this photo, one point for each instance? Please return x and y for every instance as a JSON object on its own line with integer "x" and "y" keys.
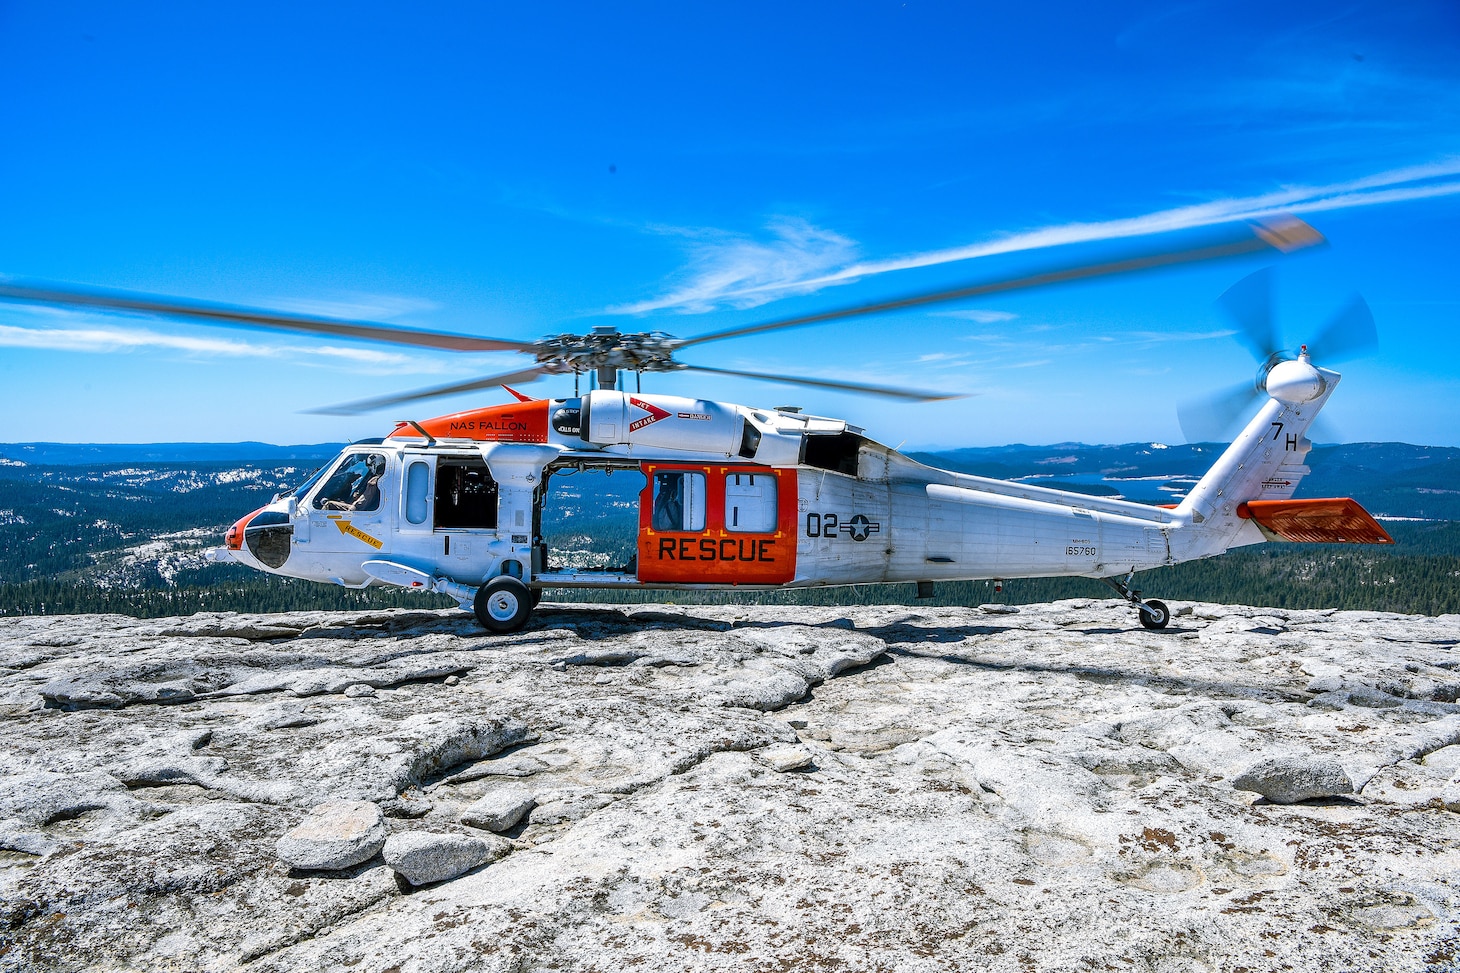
{"x": 500, "y": 809}
{"x": 335, "y": 835}
{"x": 1287, "y": 780}
{"x": 785, "y": 757}
{"x": 421, "y": 857}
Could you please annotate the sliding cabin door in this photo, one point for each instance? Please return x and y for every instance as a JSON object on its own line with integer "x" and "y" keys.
{"x": 714, "y": 524}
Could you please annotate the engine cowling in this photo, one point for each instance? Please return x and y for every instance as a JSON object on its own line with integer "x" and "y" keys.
{"x": 613, "y": 418}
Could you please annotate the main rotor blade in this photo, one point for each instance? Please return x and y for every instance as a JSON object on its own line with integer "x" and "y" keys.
{"x": 892, "y": 392}
{"x": 223, "y": 314}
{"x": 370, "y": 405}
{"x": 1349, "y": 334}
{"x": 1249, "y": 304}
{"x": 1285, "y": 235}
{"x": 1212, "y": 419}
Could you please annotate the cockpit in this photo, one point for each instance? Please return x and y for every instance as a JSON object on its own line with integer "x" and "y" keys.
{"x": 354, "y": 484}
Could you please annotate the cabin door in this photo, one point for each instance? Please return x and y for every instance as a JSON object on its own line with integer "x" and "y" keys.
{"x": 716, "y": 524}
{"x": 588, "y": 519}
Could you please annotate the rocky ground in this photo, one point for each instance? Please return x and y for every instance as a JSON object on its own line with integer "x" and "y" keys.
{"x": 735, "y": 788}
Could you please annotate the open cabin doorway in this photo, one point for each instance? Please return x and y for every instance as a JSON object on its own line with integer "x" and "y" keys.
{"x": 590, "y": 520}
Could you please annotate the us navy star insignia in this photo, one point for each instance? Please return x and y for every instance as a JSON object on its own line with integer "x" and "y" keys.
{"x": 861, "y": 528}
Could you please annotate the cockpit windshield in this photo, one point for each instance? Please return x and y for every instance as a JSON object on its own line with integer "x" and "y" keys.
{"x": 354, "y": 484}
{"x": 303, "y": 490}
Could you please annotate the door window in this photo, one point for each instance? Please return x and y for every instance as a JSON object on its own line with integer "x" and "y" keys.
{"x": 679, "y": 501}
{"x": 418, "y": 487}
{"x": 750, "y": 502}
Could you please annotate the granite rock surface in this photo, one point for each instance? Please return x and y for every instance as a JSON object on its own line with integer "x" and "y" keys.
{"x": 734, "y": 788}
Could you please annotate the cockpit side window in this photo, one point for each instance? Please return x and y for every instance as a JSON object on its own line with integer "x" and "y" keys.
{"x": 354, "y": 484}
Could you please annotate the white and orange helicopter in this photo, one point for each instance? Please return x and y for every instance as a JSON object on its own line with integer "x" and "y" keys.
{"x": 735, "y": 497}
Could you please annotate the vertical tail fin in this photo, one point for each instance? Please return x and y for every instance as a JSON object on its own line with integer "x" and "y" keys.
{"x": 1265, "y": 462}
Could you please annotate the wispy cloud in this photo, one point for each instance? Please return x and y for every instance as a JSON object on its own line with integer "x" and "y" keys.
{"x": 357, "y": 307}
{"x": 1160, "y": 337}
{"x": 976, "y": 315}
{"x": 739, "y": 272}
{"x": 724, "y": 266}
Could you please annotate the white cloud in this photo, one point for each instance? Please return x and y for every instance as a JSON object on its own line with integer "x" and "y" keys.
{"x": 356, "y": 307}
{"x": 1159, "y": 337}
{"x": 737, "y": 272}
{"x": 976, "y": 315}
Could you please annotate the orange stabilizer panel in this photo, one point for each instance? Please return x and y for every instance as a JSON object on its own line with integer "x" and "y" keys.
{"x": 1338, "y": 520}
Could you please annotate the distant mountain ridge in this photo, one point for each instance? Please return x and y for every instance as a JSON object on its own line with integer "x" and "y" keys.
{"x": 88, "y": 454}
{"x": 123, "y": 527}
{"x": 1390, "y": 479}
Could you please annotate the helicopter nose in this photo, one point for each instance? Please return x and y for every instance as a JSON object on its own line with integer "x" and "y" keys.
{"x": 264, "y": 536}
{"x": 233, "y": 539}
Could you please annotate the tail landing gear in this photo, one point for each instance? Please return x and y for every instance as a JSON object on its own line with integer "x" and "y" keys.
{"x": 1153, "y": 614}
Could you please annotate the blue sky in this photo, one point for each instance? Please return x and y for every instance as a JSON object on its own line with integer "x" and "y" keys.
{"x": 521, "y": 170}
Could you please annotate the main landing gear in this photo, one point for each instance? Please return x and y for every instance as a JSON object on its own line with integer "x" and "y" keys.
{"x": 503, "y": 604}
{"x": 1153, "y": 614}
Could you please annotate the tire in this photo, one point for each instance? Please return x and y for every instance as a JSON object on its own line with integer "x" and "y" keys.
{"x": 1157, "y": 616}
{"x": 502, "y": 605}
{"x": 536, "y": 596}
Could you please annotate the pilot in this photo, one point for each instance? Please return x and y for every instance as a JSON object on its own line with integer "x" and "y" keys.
{"x": 668, "y": 504}
{"x": 366, "y": 494}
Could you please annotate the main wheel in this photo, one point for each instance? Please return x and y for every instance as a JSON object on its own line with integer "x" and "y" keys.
{"x": 503, "y": 604}
{"x": 1155, "y": 614}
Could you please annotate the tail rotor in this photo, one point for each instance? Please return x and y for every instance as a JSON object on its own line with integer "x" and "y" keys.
{"x": 1349, "y": 334}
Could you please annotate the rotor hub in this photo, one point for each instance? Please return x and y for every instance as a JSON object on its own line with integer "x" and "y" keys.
{"x": 1295, "y": 381}
{"x": 647, "y": 351}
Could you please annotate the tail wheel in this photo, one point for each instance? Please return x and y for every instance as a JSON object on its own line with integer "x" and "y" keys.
{"x": 503, "y": 604}
{"x": 1155, "y": 614}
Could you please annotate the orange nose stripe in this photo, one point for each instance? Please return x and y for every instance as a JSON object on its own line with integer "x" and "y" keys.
{"x": 233, "y": 540}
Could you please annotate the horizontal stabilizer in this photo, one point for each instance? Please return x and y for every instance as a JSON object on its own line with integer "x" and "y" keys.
{"x": 1338, "y": 520}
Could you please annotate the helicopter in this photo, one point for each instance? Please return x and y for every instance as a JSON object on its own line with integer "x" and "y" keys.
{"x": 745, "y": 498}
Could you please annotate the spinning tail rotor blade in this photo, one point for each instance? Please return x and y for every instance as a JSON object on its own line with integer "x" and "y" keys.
{"x": 911, "y": 395}
{"x": 1349, "y": 334}
{"x": 1211, "y": 419}
{"x": 228, "y": 315}
{"x": 371, "y": 405}
{"x": 1285, "y": 235}
{"x": 1249, "y": 304}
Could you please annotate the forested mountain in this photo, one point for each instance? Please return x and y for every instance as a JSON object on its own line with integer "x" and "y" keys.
{"x": 111, "y": 529}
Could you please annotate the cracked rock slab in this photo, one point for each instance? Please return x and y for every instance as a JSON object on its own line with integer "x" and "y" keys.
{"x": 1047, "y": 789}
{"x": 334, "y": 836}
{"x": 500, "y": 809}
{"x": 423, "y": 858}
